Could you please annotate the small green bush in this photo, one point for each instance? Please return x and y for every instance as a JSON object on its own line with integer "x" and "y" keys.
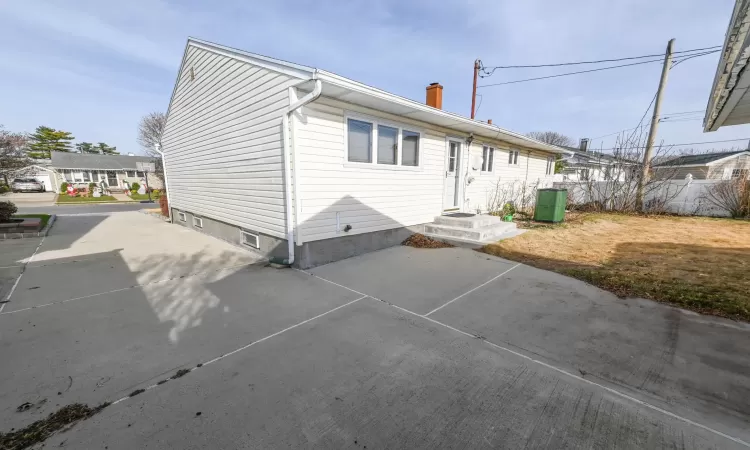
{"x": 7, "y": 209}
{"x": 509, "y": 209}
{"x": 4, "y": 188}
{"x": 64, "y": 186}
{"x": 135, "y": 186}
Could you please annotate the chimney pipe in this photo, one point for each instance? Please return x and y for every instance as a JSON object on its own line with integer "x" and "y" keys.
{"x": 489, "y": 121}
{"x": 584, "y": 145}
{"x": 435, "y": 95}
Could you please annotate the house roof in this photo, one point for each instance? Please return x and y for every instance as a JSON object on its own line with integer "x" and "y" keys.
{"x": 63, "y": 160}
{"x": 595, "y": 158}
{"x": 729, "y": 101}
{"x": 700, "y": 160}
{"x": 347, "y": 90}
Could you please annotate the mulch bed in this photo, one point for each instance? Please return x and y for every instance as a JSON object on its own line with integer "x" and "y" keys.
{"x": 421, "y": 241}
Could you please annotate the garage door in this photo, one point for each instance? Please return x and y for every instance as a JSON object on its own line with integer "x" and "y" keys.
{"x": 47, "y": 182}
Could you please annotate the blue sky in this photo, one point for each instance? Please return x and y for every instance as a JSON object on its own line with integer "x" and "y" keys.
{"x": 95, "y": 67}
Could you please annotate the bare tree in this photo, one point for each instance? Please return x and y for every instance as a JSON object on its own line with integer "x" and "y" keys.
{"x": 150, "y": 131}
{"x": 13, "y": 154}
{"x": 616, "y": 187}
{"x": 552, "y": 138}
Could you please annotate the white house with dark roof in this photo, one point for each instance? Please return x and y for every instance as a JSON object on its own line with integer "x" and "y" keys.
{"x": 707, "y": 166}
{"x": 309, "y": 166}
{"x": 84, "y": 168}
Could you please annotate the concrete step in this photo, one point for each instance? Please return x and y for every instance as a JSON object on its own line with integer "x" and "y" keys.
{"x": 479, "y": 235}
{"x": 477, "y": 221}
{"x": 470, "y": 243}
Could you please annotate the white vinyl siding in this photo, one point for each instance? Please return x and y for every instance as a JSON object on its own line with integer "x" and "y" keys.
{"x": 378, "y": 197}
{"x": 369, "y": 197}
{"x": 529, "y": 172}
{"x": 222, "y": 141}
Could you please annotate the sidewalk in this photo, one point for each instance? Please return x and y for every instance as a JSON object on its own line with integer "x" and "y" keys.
{"x": 121, "y": 197}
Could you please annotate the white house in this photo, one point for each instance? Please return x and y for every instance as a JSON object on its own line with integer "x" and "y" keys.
{"x": 308, "y": 166}
{"x": 706, "y": 166}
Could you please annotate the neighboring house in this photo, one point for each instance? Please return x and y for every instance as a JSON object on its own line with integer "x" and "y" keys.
{"x": 729, "y": 101}
{"x": 586, "y": 165}
{"x": 83, "y": 168}
{"x": 707, "y": 166}
{"x": 304, "y": 164}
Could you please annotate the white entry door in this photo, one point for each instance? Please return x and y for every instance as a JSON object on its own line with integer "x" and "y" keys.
{"x": 452, "y": 187}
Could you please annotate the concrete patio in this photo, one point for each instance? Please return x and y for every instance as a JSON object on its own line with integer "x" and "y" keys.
{"x": 401, "y": 348}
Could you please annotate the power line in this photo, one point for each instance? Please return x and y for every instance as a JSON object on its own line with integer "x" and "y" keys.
{"x": 677, "y": 61}
{"x": 526, "y": 66}
{"x": 570, "y": 73}
{"x": 682, "y": 145}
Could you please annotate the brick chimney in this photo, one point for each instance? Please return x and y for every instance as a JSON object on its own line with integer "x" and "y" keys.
{"x": 489, "y": 121}
{"x": 435, "y": 95}
{"x": 584, "y": 145}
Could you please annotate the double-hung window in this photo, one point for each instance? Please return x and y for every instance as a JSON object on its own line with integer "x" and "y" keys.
{"x": 382, "y": 144}
{"x": 739, "y": 173}
{"x": 513, "y": 157}
{"x": 550, "y": 165}
{"x": 488, "y": 156}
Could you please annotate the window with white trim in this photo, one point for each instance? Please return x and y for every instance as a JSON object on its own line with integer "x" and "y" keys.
{"x": 139, "y": 174}
{"x": 513, "y": 157}
{"x": 130, "y": 174}
{"x": 387, "y": 144}
{"x": 197, "y": 222}
{"x": 740, "y": 173}
{"x": 86, "y": 177}
{"x": 182, "y": 216}
{"x": 488, "y": 156}
{"x": 550, "y": 165}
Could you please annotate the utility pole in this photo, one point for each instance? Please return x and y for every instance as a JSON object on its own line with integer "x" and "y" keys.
{"x": 654, "y": 125}
{"x": 474, "y": 88}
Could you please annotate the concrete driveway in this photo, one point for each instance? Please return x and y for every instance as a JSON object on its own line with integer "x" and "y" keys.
{"x": 401, "y": 348}
{"x": 29, "y": 198}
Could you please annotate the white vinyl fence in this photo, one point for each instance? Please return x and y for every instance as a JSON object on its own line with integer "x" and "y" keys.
{"x": 675, "y": 196}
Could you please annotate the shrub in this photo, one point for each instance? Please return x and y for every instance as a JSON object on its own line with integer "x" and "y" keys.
{"x": 7, "y": 209}
{"x": 4, "y": 188}
{"x": 732, "y": 196}
{"x": 164, "y": 205}
{"x": 92, "y": 187}
{"x": 135, "y": 186}
{"x": 63, "y": 186}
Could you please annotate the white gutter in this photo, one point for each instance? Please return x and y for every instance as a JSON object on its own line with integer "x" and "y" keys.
{"x": 157, "y": 147}
{"x": 292, "y": 149}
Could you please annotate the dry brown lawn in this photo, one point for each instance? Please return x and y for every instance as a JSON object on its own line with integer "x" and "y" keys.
{"x": 701, "y": 264}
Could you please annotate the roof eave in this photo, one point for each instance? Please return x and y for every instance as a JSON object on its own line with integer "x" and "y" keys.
{"x": 480, "y": 128}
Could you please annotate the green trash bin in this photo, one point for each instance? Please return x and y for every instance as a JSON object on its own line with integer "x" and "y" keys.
{"x": 550, "y": 205}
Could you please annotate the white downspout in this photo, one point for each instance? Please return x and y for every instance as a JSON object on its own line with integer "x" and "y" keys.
{"x": 291, "y": 150}
{"x": 157, "y": 147}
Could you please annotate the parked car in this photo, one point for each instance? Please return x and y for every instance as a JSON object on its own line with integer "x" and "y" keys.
{"x": 27, "y": 185}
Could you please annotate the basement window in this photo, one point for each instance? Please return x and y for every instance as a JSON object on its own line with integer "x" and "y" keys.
{"x": 182, "y": 216}
{"x": 197, "y": 222}
{"x": 250, "y": 239}
{"x": 381, "y": 143}
{"x": 488, "y": 156}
